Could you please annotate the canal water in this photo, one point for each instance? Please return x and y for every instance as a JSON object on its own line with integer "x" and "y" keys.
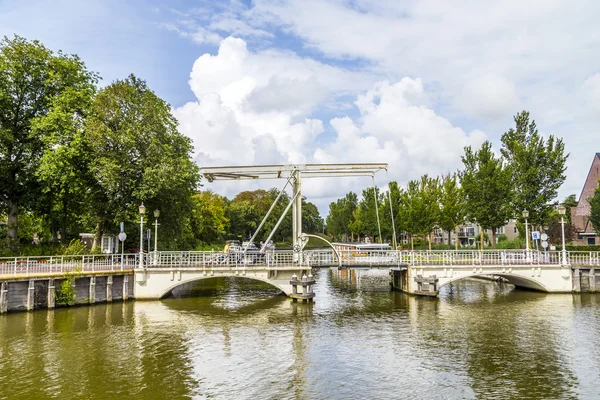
{"x": 237, "y": 339}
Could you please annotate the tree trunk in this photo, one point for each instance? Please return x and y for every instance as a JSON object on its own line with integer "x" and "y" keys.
{"x": 493, "y": 238}
{"x": 12, "y": 225}
{"x": 456, "y": 241}
{"x": 98, "y": 236}
{"x": 481, "y": 237}
{"x": 449, "y": 238}
{"x": 412, "y": 242}
{"x": 429, "y": 237}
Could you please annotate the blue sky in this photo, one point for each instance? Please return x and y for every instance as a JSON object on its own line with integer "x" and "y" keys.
{"x": 298, "y": 81}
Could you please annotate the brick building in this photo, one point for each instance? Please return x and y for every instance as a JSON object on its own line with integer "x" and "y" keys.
{"x": 580, "y": 215}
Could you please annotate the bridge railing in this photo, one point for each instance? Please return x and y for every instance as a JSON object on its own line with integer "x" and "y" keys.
{"x": 19, "y": 266}
{"x": 479, "y": 257}
{"x": 26, "y": 266}
{"x": 591, "y": 258}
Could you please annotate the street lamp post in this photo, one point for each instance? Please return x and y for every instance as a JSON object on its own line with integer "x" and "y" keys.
{"x": 526, "y": 215}
{"x": 156, "y": 215}
{"x": 562, "y": 210}
{"x": 142, "y": 212}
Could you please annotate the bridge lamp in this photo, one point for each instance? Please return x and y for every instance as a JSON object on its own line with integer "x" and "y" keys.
{"x": 526, "y": 215}
{"x": 156, "y": 215}
{"x": 562, "y": 211}
{"x": 142, "y": 209}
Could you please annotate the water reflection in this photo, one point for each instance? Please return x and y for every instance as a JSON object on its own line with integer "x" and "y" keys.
{"x": 241, "y": 339}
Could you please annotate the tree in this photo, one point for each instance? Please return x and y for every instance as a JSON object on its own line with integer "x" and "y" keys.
{"x": 595, "y": 210}
{"x": 486, "y": 182}
{"x": 311, "y": 219}
{"x": 341, "y": 215}
{"x": 452, "y": 205}
{"x": 419, "y": 210}
{"x": 366, "y": 215}
{"x": 570, "y": 202}
{"x": 138, "y": 156}
{"x": 31, "y": 79}
{"x": 537, "y": 167}
{"x": 207, "y": 221}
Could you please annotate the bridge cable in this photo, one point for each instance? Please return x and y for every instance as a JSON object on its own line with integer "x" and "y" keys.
{"x": 394, "y": 239}
{"x": 376, "y": 207}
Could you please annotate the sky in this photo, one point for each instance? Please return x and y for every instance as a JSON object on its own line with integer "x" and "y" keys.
{"x": 404, "y": 82}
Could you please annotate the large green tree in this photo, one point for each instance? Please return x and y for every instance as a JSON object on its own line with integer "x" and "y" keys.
{"x": 366, "y": 219}
{"x": 32, "y": 79}
{"x": 207, "y": 221}
{"x": 537, "y": 166}
{"x": 487, "y": 185}
{"x": 341, "y": 216}
{"x": 419, "y": 209}
{"x": 138, "y": 156}
{"x": 452, "y": 205}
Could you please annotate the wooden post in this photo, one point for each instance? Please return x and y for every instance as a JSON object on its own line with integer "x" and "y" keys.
{"x": 125, "y": 287}
{"x": 30, "y": 295}
{"x": 109, "y": 285}
{"x": 51, "y": 293}
{"x": 3, "y": 297}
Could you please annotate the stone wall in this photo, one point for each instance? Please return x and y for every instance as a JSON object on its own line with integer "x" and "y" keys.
{"x": 39, "y": 293}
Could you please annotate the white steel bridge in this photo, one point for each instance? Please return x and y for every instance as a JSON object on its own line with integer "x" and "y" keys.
{"x": 419, "y": 272}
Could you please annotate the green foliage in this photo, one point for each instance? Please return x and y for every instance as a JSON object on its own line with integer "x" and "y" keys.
{"x": 138, "y": 156}
{"x": 33, "y": 82}
{"x": 75, "y": 247}
{"x": 487, "y": 186}
{"x": 516, "y": 243}
{"x": 341, "y": 216}
{"x": 595, "y": 210}
{"x": 65, "y": 294}
{"x": 537, "y": 168}
{"x": 570, "y": 202}
{"x": 453, "y": 206}
{"x": 419, "y": 206}
{"x": 365, "y": 215}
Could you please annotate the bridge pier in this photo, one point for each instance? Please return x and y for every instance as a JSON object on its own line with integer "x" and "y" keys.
{"x": 426, "y": 280}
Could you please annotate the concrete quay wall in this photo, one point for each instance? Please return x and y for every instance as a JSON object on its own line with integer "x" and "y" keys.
{"x": 31, "y": 293}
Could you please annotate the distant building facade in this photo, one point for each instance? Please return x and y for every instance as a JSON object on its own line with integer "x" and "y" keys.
{"x": 580, "y": 215}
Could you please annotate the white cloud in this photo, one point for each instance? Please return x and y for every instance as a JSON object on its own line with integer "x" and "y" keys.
{"x": 490, "y": 97}
{"x": 591, "y": 87}
{"x": 255, "y": 108}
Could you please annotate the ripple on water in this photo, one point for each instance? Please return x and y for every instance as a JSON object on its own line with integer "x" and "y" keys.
{"x": 239, "y": 339}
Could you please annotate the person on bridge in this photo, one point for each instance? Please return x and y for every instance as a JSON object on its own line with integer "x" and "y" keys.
{"x": 226, "y": 250}
{"x": 263, "y": 250}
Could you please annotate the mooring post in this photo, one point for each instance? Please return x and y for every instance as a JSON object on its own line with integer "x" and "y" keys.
{"x": 51, "y": 293}
{"x": 3, "y": 297}
{"x": 92, "y": 295}
{"x": 576, "y": 280}
{"x": 125, "y": 287}
{"x": 109, "y": 285}
{"x": 30, "y": 295}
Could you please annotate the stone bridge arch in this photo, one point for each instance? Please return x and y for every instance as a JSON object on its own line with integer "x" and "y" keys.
{"x": 271, "y": 283}
{"x": 519, "y": 281}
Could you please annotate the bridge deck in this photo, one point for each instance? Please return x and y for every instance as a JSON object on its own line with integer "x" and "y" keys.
{"x": 282, "y": 259}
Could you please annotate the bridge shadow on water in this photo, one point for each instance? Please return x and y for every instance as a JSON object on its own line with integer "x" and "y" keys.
{"x": 225, "y": 295}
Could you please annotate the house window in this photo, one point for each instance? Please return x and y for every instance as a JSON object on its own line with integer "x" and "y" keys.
{"x": 500, "y": 231}
{"x": 516, "y": 230}
{"x": 106, "y": 244}
{"x": 591, "y": 241}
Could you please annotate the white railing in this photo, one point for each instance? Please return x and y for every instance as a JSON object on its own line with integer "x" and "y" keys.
{"x": 18, "y": 266}
{"x": 29, "y": 266}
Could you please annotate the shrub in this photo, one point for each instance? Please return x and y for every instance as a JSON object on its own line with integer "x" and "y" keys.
{"x": 75, "y": 247}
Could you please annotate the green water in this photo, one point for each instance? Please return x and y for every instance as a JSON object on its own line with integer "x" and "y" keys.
{"x": 239, "y": 339}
